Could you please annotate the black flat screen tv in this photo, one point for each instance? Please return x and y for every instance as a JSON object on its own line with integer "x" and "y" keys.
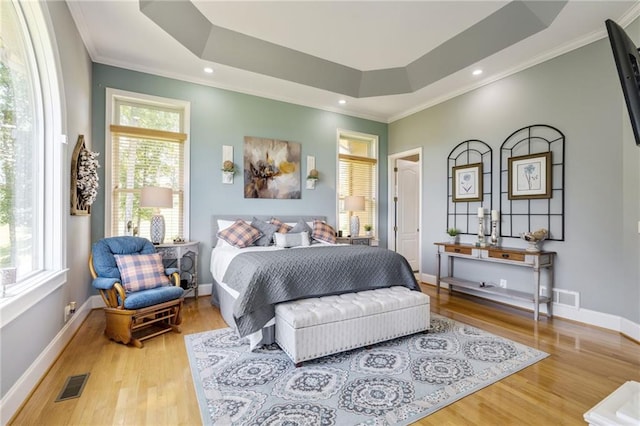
{"x": 627, "y": 60}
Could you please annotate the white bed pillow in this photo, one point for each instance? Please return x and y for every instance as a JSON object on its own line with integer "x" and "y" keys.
{"x": 298, "y": 239}
{"x": 224, "y": 224}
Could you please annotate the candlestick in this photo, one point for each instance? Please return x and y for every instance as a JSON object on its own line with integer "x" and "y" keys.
{"x": 494, "y": 232}
{"x": 481, "y": 241}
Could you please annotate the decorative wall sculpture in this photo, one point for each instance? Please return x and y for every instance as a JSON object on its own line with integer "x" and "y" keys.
{"x": 469, "y": 185}
{"x": 84, "y": 178}
{"x": 532, "y": 182}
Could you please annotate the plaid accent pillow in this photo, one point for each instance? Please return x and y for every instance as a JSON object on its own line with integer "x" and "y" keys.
{"x": 283, "y": 228}
{"x": 141, "y": 271}
{"x": 240, "y": 234}
{"x": 323, "y": 232}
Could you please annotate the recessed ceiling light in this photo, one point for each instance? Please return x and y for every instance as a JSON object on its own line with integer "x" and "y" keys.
{"x": 342, "y": 101}
{"x": 208, "y": 70}
{"x": 477, "y": 72}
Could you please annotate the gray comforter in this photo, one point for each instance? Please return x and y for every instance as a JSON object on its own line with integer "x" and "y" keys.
{"x": 264, "y": 279}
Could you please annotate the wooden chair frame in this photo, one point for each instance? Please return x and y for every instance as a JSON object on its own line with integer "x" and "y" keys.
{"x": 134, "y": 326}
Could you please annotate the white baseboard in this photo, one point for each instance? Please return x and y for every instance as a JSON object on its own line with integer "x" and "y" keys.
{"x": 20, "y": 391}
{"x": 427, "y": 278}
{"x": 587, "y": 316}
{"x": 205, "y": 289}
{"x": 630, "y": 329}
{"x": 96, "y": 302}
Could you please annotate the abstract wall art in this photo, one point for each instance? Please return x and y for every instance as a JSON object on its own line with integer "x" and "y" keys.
{"x": 271, "y": 168}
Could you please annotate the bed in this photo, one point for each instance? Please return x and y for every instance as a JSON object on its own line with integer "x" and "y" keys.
{"x": 249, "y": 282}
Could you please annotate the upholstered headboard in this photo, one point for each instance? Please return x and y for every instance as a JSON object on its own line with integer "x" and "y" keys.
{"x": 249, "y": 217}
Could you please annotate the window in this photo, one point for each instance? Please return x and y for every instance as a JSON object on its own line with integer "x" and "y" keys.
{"x": 358, "y": 175}
{"x": 31, "y": 209}
{"x": 148, "y": 147}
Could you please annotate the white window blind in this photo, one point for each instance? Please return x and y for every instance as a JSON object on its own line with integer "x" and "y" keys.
{"x": 146, "y": 157}
{"x": 357, "y": 175}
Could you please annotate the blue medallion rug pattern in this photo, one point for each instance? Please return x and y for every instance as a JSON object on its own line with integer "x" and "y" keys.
{"x": 392, "y": 383}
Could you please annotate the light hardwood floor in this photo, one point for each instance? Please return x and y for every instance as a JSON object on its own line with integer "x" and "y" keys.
{"x": 153, "y": 385}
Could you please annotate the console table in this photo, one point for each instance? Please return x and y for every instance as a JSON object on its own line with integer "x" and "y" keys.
{"x": 500, "y": 255}
{"x": 183, "y": 256}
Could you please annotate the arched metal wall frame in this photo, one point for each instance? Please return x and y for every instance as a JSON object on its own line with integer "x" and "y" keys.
{"x": 523, "y": 215}
{"x": 463, "y": 215}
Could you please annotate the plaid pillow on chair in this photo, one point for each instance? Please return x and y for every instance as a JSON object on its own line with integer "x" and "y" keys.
{"x": 141, "y": 271}
{"x": 323, "y": 232}
{"x": 240, "y": 234}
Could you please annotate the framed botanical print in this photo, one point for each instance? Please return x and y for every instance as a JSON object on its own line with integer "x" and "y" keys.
{"x": 467, "y": 183}
{"x": 530, "y": 176}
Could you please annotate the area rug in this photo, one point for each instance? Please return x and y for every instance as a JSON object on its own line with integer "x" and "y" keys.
{"x": 391, "y": 383}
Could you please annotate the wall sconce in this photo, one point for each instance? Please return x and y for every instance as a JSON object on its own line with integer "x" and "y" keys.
{"x": 228, "y": 167}
{"x": 312, "y": 173}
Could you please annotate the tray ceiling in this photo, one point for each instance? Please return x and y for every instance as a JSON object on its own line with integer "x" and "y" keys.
{"x": 386, "y": 59}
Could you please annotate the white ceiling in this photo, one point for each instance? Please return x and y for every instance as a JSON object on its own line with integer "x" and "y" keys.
{"x": 365, "y": 35}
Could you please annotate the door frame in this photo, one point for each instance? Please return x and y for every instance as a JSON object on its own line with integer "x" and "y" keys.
{"x": 391, "y": 237}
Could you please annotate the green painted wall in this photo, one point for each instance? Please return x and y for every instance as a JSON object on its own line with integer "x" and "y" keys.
{"x": 221, "y": 117}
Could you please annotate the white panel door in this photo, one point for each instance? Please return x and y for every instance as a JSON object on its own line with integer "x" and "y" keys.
{"x": 408, "y": 220}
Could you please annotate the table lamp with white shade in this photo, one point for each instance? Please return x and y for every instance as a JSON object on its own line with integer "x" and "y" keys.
{"x": 156, "y": 198}
{"x": 354, "y": 203}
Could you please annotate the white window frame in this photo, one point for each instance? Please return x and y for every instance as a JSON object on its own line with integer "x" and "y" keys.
{"x": 343, "y": 133}
{"x": 53, "y": 188}
{"x": 113, "y": 95}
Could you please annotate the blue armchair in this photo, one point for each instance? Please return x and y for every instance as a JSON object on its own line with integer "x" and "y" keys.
{"x": 143, "y": 299}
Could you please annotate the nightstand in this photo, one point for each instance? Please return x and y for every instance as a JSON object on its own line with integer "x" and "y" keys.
{"x": 183, "y": 256}
{"x": 354, "y": 241}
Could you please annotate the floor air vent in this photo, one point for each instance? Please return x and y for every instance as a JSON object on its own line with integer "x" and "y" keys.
{"x": 73, "y": 387}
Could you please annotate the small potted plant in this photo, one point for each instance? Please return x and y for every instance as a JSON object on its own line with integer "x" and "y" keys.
{"x": 453, "y": 235}
{"x": 313, "y": 174}
{"x": 228, "y": 170}
{"x": 312, "y": 178}
{"x": 367, "y": 229}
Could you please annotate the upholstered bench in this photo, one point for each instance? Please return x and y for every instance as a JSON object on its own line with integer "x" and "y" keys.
{"x": 315, "y": 327}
